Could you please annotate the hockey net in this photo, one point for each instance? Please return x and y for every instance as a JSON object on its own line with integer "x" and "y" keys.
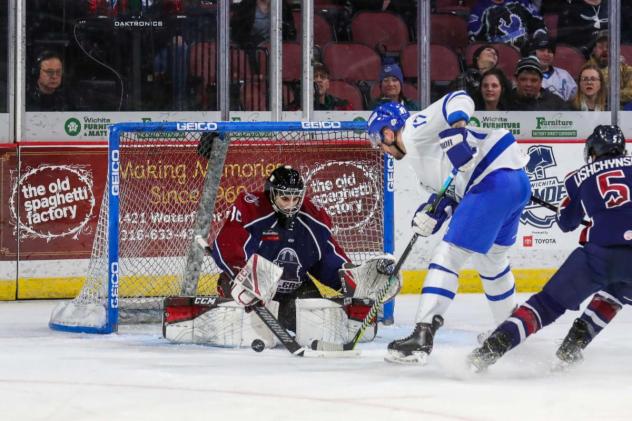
{"x": 162, "y": 186}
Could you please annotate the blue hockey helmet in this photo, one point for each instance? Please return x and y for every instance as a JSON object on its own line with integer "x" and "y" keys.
{"x": 605, "y": 140}
{"x": 392, "y": 115}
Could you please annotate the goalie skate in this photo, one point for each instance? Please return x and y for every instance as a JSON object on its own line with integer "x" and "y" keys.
{"x": 415, "y": 348}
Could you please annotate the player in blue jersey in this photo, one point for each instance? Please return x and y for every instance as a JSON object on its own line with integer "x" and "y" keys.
{"x": 601, "y": 190}
{"x": 489, "y": 192}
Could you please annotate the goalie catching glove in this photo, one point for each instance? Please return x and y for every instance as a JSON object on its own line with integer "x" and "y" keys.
{"x": 256, "y": 283}
{"x": 366, "y": 280}
{"x": 427, "y": 222}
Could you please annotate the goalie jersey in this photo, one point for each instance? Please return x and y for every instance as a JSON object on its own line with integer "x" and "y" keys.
{"x": 305, "y": 246}
{"x": 601, "y": 190}
{"x": 495, "y": 148}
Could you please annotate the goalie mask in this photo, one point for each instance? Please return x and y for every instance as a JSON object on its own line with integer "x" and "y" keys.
{"x": 605, "y": 140}
{"x": 286, "y": 190}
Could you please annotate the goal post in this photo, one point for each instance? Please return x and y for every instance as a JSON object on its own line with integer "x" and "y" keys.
{"x": 160, "y": 193}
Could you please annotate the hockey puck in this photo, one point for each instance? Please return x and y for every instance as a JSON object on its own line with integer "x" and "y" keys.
{"x": 258, "y": 345}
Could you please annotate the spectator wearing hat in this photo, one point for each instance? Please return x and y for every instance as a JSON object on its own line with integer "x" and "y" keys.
{"x": 599, "y": 58}
{"x": 592, "y": 93}
{"x": 529, "y": 95}
{"x": 391, "y": 88}
{"x": 485, "y": 58}
{"x": 511, "y": 22}
{"x": 555, "y": 79}
{"x": 578, "y": 22}
{"x": 323, "y": 100}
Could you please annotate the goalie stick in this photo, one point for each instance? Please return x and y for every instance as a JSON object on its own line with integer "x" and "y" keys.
{"x": 266, "y": 316}
{"x": 551, "y": 206}
{"x": 379, "y": 300}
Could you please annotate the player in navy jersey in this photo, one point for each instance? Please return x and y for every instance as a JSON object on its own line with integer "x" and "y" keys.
{"x": 601, "y": 190}
{"x": 490, "y": 191}
{"x": 288, "y": 229}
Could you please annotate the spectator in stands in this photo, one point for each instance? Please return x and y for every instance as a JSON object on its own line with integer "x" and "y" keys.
{"x": 599, "y": 57}
{"x": 529, "y": 95}
{"x": 579, "y": 21}
{"x": 391, "y": 88}
{"x": 46, "y": 92}
{"x": 494, "y": 92}
{"x": 485, "y": 58}
{"x": 556, "y": 79}
{"x": 512, "y": 22}
{"x": 255, "y": 15}
{"x": 592, "y": 90}
{"x": 322, "y": 99}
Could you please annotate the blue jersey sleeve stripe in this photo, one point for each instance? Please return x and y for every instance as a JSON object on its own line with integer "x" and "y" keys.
{"x": 457, "y": 116}
{"x": 438, "y": 291}
{"x": 441, "y": 268}
{"x": 450, "y": 119}
{"x": 496, "y": 150}
{"x": 502, "y": 296}
{"x": 493, "y": 278}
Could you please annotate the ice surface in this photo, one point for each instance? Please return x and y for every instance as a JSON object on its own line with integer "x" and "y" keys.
{"x": 137, "y": 375}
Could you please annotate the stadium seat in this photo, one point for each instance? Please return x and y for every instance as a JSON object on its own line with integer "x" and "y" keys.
{"x": 254, "y": 95}
{"x": 351, "y": 61}
{"x": 455, "y": 7}
{"x": 323, "y": 32}
{"x": 443, "y": 61}
{"x": 444, "y": 64}
{"x": 449, "y": 30}
{"x": 569, "y": 58}
{"x": 507, "y": 57}
{"x": 550, "y": 20}
{"x": 292, "y": 61}
{"x": 626, "y": 52}
{"x": 380, "y": 30}
{"x": 347, "y": 91}
{"x": 203, "y": 62}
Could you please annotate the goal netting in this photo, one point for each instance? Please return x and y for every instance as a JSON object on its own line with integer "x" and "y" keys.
{"x": 161, "y": 193}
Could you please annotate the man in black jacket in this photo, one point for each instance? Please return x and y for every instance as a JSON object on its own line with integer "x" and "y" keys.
{"x": 528, "y": 95}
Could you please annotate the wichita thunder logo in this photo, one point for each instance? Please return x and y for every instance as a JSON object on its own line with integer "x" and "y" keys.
{"x": 548, "y": 188}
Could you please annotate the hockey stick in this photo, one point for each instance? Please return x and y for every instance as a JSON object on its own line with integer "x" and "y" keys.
{"x": 266, "y": 316}
{"x": 551, "y": 206}
{"x": 379, "y": 300}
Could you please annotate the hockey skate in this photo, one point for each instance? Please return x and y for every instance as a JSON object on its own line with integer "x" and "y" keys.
{"x": 492, "y": 349}
{"x": 570, "y": 352}
{"x": 414, "y": 349}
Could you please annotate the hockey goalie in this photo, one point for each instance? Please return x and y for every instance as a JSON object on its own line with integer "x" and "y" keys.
{"x": 271, "y": 248}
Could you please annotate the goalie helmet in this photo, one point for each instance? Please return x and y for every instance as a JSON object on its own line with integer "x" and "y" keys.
{"x": 285, "y": 181}
{"x": 605, "y": 140}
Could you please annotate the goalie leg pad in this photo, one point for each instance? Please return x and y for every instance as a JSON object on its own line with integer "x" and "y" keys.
{"x": 223, "y": 323}
{"x": 322, "y": 319}
{"x": 357, "y": 310}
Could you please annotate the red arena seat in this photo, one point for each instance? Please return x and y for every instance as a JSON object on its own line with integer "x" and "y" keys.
{"x": 380, "y": 29}
{"x": 348, "y": 91}
{"x": 351, "y": 61}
